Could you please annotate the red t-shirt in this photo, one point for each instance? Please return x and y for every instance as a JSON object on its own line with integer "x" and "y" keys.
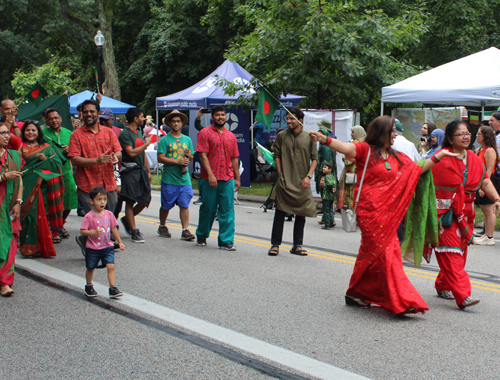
{"x": 84, "y": 143}
{"x": 220, "y": 149}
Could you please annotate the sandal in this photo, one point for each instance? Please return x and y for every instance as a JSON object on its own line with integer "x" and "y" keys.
{"x": 274, "y": 250}
{"x": 56, "y": 239}
{"x": 64, "y": 234}
{"x": 7, "y": 293}
{"x": 351, "y": 301}
{"x": 298, "y": 251}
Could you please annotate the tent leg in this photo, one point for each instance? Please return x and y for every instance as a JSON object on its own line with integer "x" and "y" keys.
{"x": 382, "y": 109}
{"x": 482, "y": 111}
{"x": 157, "y": 140}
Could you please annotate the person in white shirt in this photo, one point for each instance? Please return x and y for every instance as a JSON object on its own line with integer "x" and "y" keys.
{"x": 403, "y": 145}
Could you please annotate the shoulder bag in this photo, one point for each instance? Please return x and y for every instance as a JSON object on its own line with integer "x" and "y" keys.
{"x": 349, "y": 216}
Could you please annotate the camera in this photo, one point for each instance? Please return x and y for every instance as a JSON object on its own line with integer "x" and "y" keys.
{"x": 427, "y": 138}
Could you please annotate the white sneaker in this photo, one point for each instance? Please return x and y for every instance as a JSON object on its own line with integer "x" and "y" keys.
{"x": 485, "y": 241}
{"x": 480, "y": 238}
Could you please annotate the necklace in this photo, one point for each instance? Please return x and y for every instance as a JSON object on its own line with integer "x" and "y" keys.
{"x": 386, "y": 163}
{"x": 32, "y": 145}
{"x": 463, "y": 158}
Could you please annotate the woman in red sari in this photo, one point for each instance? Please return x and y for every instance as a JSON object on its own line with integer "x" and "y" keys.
{"x": 11, "y": 191}
{"x": 456, "y": 180}
{"x": 388, "y": 187}
{"x": 41, "y": 214}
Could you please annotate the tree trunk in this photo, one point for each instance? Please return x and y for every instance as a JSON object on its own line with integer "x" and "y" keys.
{"x": 111, "y": 85}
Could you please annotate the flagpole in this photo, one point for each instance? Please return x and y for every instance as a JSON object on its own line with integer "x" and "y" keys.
{"x": 286, "y": 109}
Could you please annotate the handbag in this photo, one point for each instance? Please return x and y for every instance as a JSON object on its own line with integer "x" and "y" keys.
{"x": 351, "y": 178}
{"x": 349, "y": 217}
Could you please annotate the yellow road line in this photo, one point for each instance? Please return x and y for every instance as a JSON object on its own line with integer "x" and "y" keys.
{"x": 325, "y": 255}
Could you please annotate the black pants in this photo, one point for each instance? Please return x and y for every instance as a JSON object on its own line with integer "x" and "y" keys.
{"x": 298, "y": 229}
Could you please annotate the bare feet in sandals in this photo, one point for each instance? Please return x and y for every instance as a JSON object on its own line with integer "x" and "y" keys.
{"x": 274, "y": 251}
{"x": 298, "y": 251}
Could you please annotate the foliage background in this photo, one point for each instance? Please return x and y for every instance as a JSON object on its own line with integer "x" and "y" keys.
{"x": 337, "y": 53}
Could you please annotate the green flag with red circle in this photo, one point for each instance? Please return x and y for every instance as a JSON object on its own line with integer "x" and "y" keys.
{"x": 36, "y": 94}
{"x": 266, "y": 108}
{"x": 46, "y": 174}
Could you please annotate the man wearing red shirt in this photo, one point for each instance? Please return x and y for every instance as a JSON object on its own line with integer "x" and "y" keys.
{"x": 219, "y": 179}
{"x": 93, "y": 149}
{"x": 8, "y": 109}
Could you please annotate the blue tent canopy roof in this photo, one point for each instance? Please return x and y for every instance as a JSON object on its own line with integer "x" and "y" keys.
{"x": 206, "y": 94}
{"x": 106, "y": 102}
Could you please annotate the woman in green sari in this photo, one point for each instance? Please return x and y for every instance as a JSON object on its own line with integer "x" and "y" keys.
{"x": 11, "y": 191}
{"x": 42, "y": 194}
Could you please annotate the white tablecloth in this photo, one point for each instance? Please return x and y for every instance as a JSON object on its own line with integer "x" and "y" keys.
{"x": 153, "y": 159}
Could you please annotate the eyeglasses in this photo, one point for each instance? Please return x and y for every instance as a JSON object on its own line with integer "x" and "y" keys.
{"x": 461, "y": 134}
{"x": 176, "y": 121}
{"x": 5, "y": 133}
{"x": 479, "y": 134}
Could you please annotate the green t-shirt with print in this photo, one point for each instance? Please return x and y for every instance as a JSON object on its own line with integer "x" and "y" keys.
{"x": 173, "y": 147}
{"x": 133, "y": 140}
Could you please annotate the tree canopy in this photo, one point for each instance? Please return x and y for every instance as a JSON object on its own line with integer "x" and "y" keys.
{"x": 337, "y": 54}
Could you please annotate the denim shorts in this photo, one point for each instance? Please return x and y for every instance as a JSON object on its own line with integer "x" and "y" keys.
{"x": 173, "y": 194}
{"x": 92, "y": 256}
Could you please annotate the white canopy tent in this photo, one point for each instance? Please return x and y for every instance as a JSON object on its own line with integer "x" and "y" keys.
{"x": 470, "y": 81}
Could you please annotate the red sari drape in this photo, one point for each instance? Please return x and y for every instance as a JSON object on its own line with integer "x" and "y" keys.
{"x": 451, "y": 251}
{"x": 378, "y": 275}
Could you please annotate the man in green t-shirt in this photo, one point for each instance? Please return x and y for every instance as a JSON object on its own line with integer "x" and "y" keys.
{"x": 135, "y": 173}
{"x": 175, "y": 153}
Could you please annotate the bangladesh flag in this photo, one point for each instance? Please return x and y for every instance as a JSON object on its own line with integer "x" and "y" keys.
{"x": 267, "y": 155}
{"x": 266, "y": 108}
{"x": 36, "y": 94}
{"x": 46, "y": 174}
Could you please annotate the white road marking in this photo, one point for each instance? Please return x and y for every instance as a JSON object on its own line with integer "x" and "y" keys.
{"x": 226, "y": 336}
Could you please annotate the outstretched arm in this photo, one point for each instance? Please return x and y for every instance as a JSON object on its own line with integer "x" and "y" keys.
{"x": 348, "y": 149}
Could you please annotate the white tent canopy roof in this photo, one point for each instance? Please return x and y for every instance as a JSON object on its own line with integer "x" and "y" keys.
{"x": 470, "y": 81}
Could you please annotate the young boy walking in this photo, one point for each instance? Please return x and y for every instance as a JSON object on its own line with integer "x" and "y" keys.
{"x": 328, "y": 195}
{"x": 97, "y": 225}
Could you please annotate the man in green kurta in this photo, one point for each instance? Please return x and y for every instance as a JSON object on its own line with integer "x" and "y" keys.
{"x": 296, "y": 157}
{"x": 58, "y": 138}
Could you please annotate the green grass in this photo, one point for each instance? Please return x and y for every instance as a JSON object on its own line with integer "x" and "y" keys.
{"x": 257, "y": 188}
{"x": 480, "y": 218}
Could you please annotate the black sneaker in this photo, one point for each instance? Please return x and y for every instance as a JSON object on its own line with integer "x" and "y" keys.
{"x": 136, "y": 237}
{"x": 163, "y": 232}
{"x": 187, "y": 235}
{"x": 128, "y": 231}
{"x": 90, "y": 291}
{"x": 201, "y": 242}
{"x": 228, "y": 247}
{"x": 114, "y": 292}
{"x": 81, "y": 241}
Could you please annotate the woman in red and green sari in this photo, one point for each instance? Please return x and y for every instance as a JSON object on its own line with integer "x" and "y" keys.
{"x": 11, "y": 190}
{"x": 457, "y": 179}
{"x": 388, "y": 188}
{"x": 43, "y": 206}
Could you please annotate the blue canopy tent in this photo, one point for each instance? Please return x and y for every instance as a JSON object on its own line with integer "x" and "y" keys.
{"x": 205, "y": 94}
{"x": 106, "y": 102}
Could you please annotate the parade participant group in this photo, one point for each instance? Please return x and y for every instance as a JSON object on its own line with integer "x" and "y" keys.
{"x": 38, "y": 191}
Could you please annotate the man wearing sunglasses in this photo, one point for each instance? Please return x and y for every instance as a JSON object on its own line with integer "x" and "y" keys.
{"x": 175, "y": 151}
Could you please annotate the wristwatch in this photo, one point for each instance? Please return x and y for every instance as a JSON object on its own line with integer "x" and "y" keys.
{"x": 19, "y": 202}
{"x": 310, "y": 176}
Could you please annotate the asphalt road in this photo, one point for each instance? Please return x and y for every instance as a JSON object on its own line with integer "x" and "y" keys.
{"x": 295, "y": 304}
